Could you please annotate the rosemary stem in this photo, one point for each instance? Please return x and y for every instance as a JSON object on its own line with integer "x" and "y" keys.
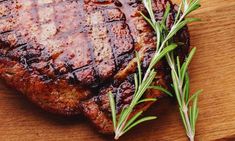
{"x": 118, "y": 134}
{"x": 157, "y": 53}
{"x": 190, "y": 133}
{"x": 146, "y": 74}
{"x": 116, "y": 137}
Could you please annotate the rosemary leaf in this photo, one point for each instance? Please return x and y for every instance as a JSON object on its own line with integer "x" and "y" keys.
{"x": 191, "y": 115}
{"x": 149, "y": 21}
{"x": 194, "y": 109}
{"x": 179, "y": 26}
{"x": 178, "y": 13}
{"x": 194, "y": 96}
{"x": 136, "y": 83}
{"x": 133, "y": 119}
{"x": 124, "y": 109}
{"x": 188, "y": 60}
{"x": 163, "y": 22}
{"x": 175, "y": 83}
{"x": 194, "y": 5}
{"x": 162, "y": 54}
{"x": 187, "y": 87}
{"x": 148, "y": 6}
{"x": 140, "y": 121}
{"x": 124, "y": 116}
{"x": 161, "y": 89}
{"x": 139, "y": 66}
{"x": 113, "y": 109}
{"x": 147, "y": 100}
{"x": 178, "y": 66}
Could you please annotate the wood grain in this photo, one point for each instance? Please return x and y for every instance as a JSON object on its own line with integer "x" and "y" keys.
{"x": 213, "y": 69}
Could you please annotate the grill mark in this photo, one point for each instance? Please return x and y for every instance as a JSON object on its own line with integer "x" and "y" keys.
{"x": 35, "y": 14}
{"x": 71, "y": 74}
{"x": 18, "y": 41}
{"x": 12, "y": 53}
{"x": 20, "y": 45}
{"x": 23, "y": 46}
{"x": 23, "y": 62}
{"x": 81, "y": 68}
{"x": 1, "y": 1}
{"x": 6, "y": 32}
{"x": 5, "y": 1}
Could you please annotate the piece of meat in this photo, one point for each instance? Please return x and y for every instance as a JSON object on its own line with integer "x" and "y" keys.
{"x": 73, "y": 42}
{"x": 65, "y": 55}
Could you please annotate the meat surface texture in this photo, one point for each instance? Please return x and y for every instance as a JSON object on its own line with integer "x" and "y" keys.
{"x": 66, "y": 55}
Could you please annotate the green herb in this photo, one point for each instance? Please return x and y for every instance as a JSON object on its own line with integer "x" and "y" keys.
{"x": 180, "y": 78}
{"x": 125, "y": 122}
{"x": 164, "y": 48}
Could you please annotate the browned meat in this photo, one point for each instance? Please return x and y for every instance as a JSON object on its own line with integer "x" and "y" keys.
{"x": 65, "y": 55}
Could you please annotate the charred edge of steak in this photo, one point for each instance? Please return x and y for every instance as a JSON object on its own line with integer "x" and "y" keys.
{"x": 56, "y": 97}
{"x": 98, "y": 109}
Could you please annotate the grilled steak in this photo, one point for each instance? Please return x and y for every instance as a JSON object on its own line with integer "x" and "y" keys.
{"x": 66, "y": 55}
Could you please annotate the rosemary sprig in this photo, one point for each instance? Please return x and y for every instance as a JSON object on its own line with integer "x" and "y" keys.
{"x": 125, "y": 122}
{"x": 164, "y": 48}
{"x": 180, "y": 78}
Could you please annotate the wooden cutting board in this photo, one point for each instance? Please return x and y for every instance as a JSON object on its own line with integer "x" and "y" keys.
{"x": 213, "y": 69}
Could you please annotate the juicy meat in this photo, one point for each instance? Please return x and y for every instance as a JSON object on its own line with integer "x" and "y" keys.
{"x": 66, "y": 55}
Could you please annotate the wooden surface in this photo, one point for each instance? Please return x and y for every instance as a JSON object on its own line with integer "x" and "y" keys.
{"x": 213, "y": 69}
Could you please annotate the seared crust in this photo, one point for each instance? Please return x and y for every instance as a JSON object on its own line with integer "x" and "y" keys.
{"x": 56, "y": 96}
